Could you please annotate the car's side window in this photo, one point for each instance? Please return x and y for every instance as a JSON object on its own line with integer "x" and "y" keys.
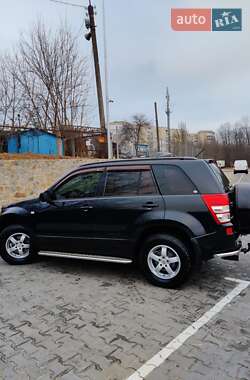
{"x": 82, "y": 185}
{"x": 173, "y": 181}
{"x": 147, "y": 184}
{"x": 122, "y": 183}
{"x": 129, "y": 183}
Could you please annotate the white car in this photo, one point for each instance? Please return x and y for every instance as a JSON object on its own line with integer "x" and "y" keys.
{"x": 221, "y": 164}
{"x": 240, "y": 166}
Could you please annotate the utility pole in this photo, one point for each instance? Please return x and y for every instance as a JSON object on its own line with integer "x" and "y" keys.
{"x": 117, "y": 142}
{"x": 157, "y": 128}
{"x": 168, "y": 112}
{"x": 90, "y": 24}
{"x": 110, "y": 145}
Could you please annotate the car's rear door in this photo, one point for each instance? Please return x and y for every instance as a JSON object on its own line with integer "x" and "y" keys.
{"x": 130, "y": 199}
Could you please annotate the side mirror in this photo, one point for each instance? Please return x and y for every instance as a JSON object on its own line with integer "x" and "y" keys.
{"x": 46, "y": 197}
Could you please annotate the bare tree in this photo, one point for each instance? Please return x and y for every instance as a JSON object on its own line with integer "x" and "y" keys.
{"x": 245, "y": 127}
{"x": 183, "y": 133}
{"x": 10, "y": 93}
{"x": 5, "y": 95}
{"x": 134, "y": 132}
{"x": 49, "y": 80}
{"x": 180, "y": 142}
{"x": 234, "y": 141}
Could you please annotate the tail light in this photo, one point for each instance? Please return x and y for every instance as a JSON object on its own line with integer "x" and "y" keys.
{"x": 219, "y": 207}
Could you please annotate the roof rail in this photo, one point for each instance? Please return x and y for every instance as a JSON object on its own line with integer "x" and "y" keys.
{"x": 124, "y": 161}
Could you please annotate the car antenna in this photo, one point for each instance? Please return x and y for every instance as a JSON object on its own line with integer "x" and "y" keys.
{"x": 197, "y": 155}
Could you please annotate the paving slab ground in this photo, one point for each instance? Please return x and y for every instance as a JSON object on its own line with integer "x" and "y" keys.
{"x": 63, "y": 319}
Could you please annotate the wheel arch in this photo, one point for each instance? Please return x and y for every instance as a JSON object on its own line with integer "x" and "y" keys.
{"x": 175, "y": 229}
{"x": 11, "y": 219}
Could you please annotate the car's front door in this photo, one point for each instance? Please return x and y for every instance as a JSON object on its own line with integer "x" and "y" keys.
{"x": 67, "y": 224}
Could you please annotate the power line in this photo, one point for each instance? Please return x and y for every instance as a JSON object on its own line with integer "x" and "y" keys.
{"x": 66, "y": 3}
{"x": 80, "y": 30}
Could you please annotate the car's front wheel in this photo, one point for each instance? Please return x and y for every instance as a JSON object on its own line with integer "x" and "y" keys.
{"x": 165, "y": 261}
{"x": 16, "y": 245}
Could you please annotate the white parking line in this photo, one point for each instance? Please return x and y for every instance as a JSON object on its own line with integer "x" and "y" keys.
{"x": 177, "y": 342}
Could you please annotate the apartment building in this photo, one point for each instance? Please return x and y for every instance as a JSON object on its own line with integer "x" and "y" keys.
{"x": 148, "y": 137}
{"x": 206, "y": 137}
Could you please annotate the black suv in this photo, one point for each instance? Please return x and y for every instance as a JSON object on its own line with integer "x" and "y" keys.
{"x": 167, "y": 215}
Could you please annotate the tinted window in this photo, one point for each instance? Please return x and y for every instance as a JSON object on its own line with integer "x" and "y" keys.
{"x": 129, "y": 183}
{"x": 147, "y": 185}
{"x": 173, "y": 181}
{"x": 221, "y": 176}
{"x": 80, "y": 186}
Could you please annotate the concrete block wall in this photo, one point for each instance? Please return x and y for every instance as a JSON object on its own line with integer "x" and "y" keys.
{"x": 24, "y": 179}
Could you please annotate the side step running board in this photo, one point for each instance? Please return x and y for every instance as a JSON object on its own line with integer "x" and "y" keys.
{"x": 81, "y": 256}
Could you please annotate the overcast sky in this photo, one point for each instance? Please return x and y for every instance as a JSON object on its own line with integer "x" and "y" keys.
{"x": 208, "y": 73}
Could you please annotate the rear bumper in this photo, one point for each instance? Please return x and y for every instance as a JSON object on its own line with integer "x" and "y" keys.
{"x": 216, "y": 244}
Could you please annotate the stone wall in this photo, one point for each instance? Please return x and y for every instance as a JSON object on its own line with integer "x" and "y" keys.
{"x": 23, "y": 179}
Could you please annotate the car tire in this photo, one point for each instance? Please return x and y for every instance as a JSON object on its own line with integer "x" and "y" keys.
{"x": 165, "y": 261}
{"x": 17, "y": 245}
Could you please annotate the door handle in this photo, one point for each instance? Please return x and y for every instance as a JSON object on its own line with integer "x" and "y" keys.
{"x": 86, "y": 208}
{"x": 150, "y": 205}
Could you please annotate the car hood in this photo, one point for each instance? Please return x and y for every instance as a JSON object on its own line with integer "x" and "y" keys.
{"x": 27, "y": 204}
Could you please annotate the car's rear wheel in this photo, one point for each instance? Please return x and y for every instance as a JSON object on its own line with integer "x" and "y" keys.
{"x": 17, "y": 245}
{"x": 165, "y": 261}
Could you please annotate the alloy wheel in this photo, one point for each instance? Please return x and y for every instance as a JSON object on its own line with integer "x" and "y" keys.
{"x": 18, "y": 245}
{"x": 164, "y": 262}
